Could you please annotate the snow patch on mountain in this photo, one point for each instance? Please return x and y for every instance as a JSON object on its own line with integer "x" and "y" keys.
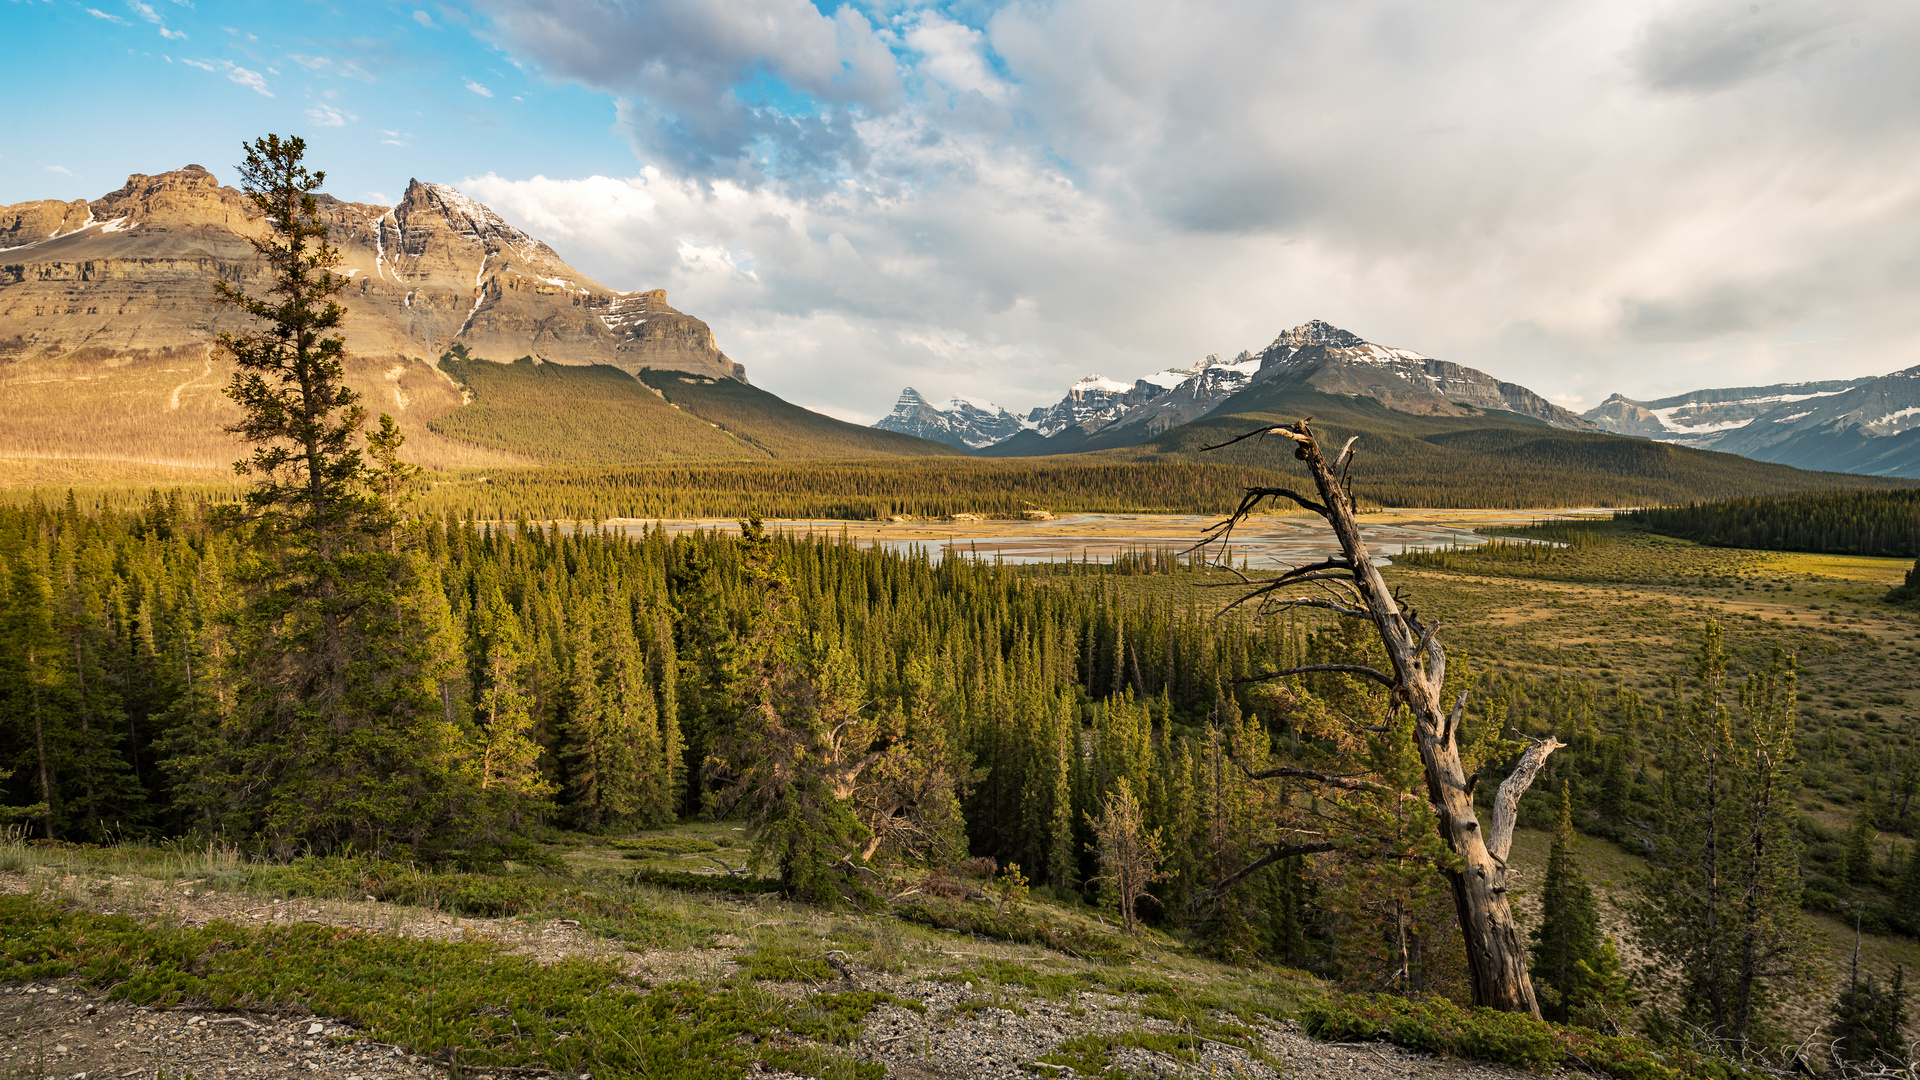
{"x": 965, "y": 422}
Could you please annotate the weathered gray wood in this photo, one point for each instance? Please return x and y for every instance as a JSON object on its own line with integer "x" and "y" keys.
{"x": 1496, "y": 954}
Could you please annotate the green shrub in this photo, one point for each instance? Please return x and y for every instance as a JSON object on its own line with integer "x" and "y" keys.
{"x": 1014, "y": 926}
{"x": 1092, "y": 1055}
{"x": 726, "y": 883}
{"x": 775, "y": 964}
{"x": 666, "y": 845}
{"x": 479, "y": 895}
{"x": 1438, "y": 1026}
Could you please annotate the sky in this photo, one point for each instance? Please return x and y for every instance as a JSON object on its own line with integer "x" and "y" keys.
{"x": 993, "y": 199}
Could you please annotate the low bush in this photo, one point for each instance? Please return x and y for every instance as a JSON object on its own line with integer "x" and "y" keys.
{"x": 682, "y": 879}
{"x": 1092, "y": 1055}
{"x": 665, "y": 845}
{"x": 1438, "y": 1026}
{"x": 480, "y": 895}
{"x": 1014, "y": 926}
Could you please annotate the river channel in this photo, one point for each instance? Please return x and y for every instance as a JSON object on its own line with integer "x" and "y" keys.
{"x": 1262, "y": 542}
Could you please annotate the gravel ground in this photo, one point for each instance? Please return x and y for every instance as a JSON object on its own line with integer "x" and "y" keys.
{"x": 52, "y": 1029}
{"x": 55, "y": 1030}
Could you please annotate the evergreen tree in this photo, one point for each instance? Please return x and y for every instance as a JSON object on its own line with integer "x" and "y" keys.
{"x": 1719, "y": 907}
{"x": 1906, "y": 895}
{"x": 30, "y": 682}
{"x": 804, "y": 736}
{"x": 1868, "y": 1024}
{"x": 509, "y": 756}
{"x": 1856, "y": 862}
{"x": 1568, "y": 936}
{"x": 1063, "y": 864}
{"x": 1908, "y": 591}
{"x": 1604, "y": 1001}
{"x": 335, "y": 730}
{"x": 1615, "y": 781}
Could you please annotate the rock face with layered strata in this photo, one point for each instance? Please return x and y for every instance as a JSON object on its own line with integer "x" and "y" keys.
{"x": 133, "y": 272}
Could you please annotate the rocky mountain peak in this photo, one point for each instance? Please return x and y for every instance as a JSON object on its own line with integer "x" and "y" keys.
{"x": 960, "y": 422}
{"x": 179, "y": 198}
{"x": 1318, "y": 332}
{"x": 437, "y": 269}
{"x": 1097, "y": 384}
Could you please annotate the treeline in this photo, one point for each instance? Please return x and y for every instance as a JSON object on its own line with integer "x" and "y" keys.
{"x": 857, "y": 491}
{"x": 1835, "y": 522}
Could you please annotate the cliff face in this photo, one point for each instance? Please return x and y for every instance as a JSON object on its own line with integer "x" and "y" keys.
{"x": 133, "y": 271}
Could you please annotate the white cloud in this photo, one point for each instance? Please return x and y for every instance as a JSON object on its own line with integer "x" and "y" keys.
{"x": 173, "y": 35}
{"x": 62, "y": 170}
{"x": 327, "y": 116}
{"x": 98, "y": 14}
{"x": 478, "y": 89}
{"x": 145, "y": 11}
{"x": 395, "y": 138}
{"x": 347, "y": 67}
{"x": 1635, "y": 195}
{"x": 252, "y": 80}
{"x": 424, "y": 19}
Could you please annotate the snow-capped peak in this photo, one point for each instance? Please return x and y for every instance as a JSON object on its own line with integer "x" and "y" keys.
{"x": 1245, "y": 364}
{"x": 1318, "y": 332}
{"x": 960, "y": 421}
{"x": 1098, "y": 383}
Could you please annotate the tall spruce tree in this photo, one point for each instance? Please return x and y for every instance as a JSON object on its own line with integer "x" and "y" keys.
{"x": 1568, "y": 936}
{"x": 1719, "y": 906}
{"x": 335, "y": 731}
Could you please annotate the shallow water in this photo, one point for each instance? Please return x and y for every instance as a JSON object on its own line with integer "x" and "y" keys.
{"x": 1263, "y": 542}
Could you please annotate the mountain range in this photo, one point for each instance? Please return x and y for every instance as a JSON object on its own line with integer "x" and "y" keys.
{"x": 492, "y": 351}
{"x": 1102, "y": 413}
{"x": 1869, "y": 425}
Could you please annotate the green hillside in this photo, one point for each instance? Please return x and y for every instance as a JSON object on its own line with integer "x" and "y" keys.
{"x": 780, "y": 428}
{"x": 1495, "y": 459}
{"x": 561, "y": 414}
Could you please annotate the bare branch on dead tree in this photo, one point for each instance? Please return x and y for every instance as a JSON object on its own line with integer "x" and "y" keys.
{"x": 1496, "y": 957}
{"x": 1506, "y": 801}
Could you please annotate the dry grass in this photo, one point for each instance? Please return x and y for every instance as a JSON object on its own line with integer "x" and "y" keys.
{"x": 159, "y": 416}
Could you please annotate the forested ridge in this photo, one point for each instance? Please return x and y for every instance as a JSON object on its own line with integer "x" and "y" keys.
{"x": 1836, "y": 522}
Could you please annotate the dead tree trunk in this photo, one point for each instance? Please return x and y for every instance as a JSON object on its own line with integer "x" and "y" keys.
{"x": 1351, "y": 586}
